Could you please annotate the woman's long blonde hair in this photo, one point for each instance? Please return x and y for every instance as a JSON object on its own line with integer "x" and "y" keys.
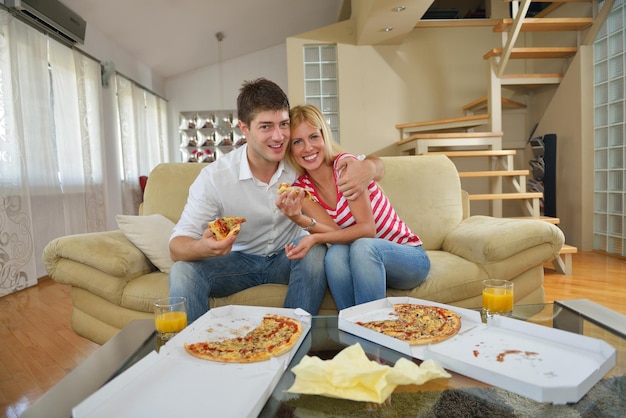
{"x": 314, "y": 117}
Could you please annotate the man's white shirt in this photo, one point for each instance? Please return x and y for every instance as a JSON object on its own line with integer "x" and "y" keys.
{"x": 227, "y": 187}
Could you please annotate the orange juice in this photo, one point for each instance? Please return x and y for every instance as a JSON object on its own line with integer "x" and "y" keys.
{"x": 167, "y": 322}
{"x": 497, "y": 300}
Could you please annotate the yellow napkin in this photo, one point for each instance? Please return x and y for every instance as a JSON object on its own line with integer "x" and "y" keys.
{"x": 351, "y": 375}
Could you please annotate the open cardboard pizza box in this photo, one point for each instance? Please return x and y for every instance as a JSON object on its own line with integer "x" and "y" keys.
{"x": 173, "y": 383}
{"x": 541, "y": 363}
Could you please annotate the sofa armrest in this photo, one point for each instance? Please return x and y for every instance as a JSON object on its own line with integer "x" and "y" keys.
{"x": 487, "y": 240}
{"x": 109, "y": 252}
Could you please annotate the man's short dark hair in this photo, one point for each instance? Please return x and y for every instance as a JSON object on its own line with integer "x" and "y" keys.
{"x": 258, "y": 96}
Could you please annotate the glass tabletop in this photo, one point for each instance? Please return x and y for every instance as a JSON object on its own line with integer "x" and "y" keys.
{"x": 325, "y": 340}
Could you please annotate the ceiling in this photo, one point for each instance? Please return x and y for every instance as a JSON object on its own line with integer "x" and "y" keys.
{"x": 173, "y": 37}
{"x": 176, "y": 36}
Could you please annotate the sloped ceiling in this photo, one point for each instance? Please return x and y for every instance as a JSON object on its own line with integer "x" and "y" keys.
{"x": 177, "y": 36}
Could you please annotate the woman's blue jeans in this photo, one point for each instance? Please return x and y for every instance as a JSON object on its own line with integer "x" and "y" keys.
{"x": 231, "y": 273}
{"x": 361, "y": 271}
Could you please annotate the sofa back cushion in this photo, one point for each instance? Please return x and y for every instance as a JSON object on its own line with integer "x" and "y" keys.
{"x": 168, "y": 187}
{"x": 425, "y": 190}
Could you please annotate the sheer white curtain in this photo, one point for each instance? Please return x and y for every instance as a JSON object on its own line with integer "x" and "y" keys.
{"x": 51, "y": 155}
{"x": 142, "y": 118}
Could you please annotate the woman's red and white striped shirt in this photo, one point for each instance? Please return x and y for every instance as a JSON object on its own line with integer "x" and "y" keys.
{"x": 389, "y": 226}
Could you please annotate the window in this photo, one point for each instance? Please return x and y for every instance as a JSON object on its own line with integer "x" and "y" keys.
{"x": 51, "y": 160}
{"x": 320, "y": 79}
{"x": 610, "y": 145}
{"x": 142, "y": 128}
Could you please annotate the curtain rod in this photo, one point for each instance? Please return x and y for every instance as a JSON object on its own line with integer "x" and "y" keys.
{"x": 141, "y": 86}
{"x": 120, "y": 74}
{"x": 3, "y": 6}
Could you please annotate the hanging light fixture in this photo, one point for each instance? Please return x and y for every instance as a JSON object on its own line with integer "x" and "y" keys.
{"x": 220, "y": 36}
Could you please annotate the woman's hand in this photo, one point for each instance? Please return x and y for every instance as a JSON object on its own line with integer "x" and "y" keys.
{"x": 299, "y": 251}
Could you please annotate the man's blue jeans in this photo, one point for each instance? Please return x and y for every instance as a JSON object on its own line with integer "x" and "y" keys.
{"x": 361, "y": 271}
{"x": 231, "y": 273}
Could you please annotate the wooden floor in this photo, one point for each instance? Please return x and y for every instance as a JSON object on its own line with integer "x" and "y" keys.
{"x": 38, "y": 347}
{"x": 37, "y": 344}
{"x": 597, "y": 277}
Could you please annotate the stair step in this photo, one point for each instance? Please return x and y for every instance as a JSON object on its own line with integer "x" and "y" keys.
{"x": 476, "y": 153}
{"x": 466, "y": 122}
{"x": 493, "y": 173}
{"x": 481, "y": 103}
{"x": 535, "y": 52}
{"x": 549, "y": 219}
{"x": 530, "y": 80}
{"x": 563, "y": 263}
{"x": 506, "y": 196}
{"x": 450, "y": 135}
{"x": 546, "y": 24}
{"x": 422, "y": 142}
{"x": 568, "y": 249}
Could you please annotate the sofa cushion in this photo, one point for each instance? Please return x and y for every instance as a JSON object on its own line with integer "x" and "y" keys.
{"x": 167, "y": 189}
{"x": 140, "y": 294}
{"x": 426, "y": 193}
{"x": 151, "y": 234}
{"x": 451, "y": 278}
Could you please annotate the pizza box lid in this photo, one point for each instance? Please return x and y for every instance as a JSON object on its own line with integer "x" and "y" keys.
{"x": 174, "y": 383}
{"x": 528, "y": 359}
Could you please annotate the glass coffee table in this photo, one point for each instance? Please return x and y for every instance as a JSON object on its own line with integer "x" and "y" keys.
{"x": 325, "y": 340}
{"x": 458, "y": 396}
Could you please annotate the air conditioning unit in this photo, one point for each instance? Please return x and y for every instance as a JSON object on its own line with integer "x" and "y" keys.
{"x": 51, "y": 16}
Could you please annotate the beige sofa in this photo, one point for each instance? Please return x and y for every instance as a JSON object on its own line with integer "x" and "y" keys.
{"x": 113, "y": 282}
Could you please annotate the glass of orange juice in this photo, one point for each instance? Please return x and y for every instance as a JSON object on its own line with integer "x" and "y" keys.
{"x": 497, "y": 298}
{"x": 170, "y": 317}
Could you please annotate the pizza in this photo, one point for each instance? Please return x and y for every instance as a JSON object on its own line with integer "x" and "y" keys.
{"x": 274, "y": 336}
{"x": 226, "y": 226}
{"x": 418, "y": 324}
{"x": 287, "y": 188}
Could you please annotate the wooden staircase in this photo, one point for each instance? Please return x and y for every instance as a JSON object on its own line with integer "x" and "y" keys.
{"x": 479, "y": 132}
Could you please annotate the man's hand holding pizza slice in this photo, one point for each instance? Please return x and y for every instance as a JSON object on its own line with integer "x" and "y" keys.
{"x": 226, "y": 226}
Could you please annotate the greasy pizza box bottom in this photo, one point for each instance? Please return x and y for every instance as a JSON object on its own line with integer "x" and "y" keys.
{"x": 541, "y": 363}
{"x": 174, "y": 383}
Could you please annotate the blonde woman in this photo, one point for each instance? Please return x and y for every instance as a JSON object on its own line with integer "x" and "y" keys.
{"x": 372, "y": 248}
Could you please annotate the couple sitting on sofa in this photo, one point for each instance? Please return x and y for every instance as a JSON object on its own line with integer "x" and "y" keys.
{"x": 272, "y": 248}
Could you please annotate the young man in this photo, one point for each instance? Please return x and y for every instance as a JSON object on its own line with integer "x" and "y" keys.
{"x": 244, "y": 183}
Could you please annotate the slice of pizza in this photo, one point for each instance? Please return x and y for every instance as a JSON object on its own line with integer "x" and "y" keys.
{"x": 287, "y": 188}
{"x": 226, "y": 226}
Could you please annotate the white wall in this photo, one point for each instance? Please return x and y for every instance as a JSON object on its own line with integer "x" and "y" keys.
{"x": 195, "y": 90}
{"x": 431, "y": 75}
{"x": 99, "y": 46}
{"x": 200, "y": 89}
{"x": 567, "y": 116}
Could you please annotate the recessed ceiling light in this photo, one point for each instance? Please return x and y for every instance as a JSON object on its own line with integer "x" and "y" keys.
{"x": 399, "y": 8}
{"x": 388, "y": 29}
